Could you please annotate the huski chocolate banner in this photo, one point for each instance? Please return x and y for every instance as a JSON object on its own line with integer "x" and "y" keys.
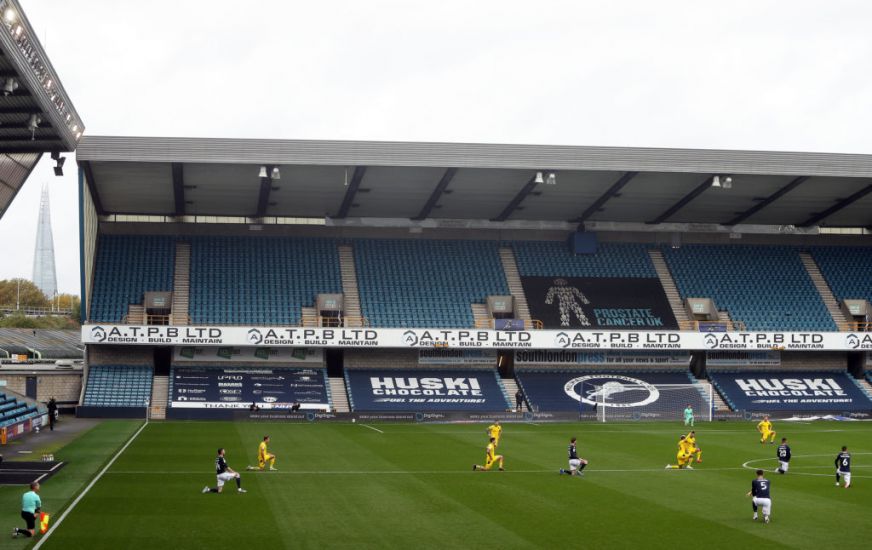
{"x": 602, "y": 303}
{"x": 791, "y": 391}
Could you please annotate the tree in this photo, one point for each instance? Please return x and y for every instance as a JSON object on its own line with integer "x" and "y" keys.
{"x": 22, "y": 293}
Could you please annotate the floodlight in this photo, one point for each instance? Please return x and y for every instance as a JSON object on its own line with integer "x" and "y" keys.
{"x": 10, "y": 15}
{"x": 276, "y": 175}
{"x": 727, "y": 183}
{"x": 716, "y": 181}
{"x": 539, "y": 178}
{"x": 33, "y": 124}
{"x": 551, "y": 179}
{"x": 9, "y": 86}
{"x": 262, "y": 173}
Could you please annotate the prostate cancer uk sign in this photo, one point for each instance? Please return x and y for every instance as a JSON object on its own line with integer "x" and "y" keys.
{"x": 792, "y": 391}
{"x": 426, "y": 390}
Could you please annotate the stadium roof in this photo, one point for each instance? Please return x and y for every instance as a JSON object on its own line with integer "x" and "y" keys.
{"x": 348, "y": 179}
{"x": 36, "y": 116}
{"x": 43, "y": 343}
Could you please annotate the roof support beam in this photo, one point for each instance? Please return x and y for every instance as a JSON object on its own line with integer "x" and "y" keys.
{"x": 179, "y": 187}
{"x": 516, "y": 201}
{"x": 819, "y": 216}
{"x": 92, "y": 186}
{"x": 742, "y": 216}
{"x": 353, "y": 186}
{"x": 436, "y": 194}
{"x": 612, "y": 191}
{"x": 684, "y": 201}
{"x": 265, "y": 189}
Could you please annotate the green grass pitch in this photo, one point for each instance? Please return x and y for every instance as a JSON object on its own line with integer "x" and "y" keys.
{"x": 412, "y": 486}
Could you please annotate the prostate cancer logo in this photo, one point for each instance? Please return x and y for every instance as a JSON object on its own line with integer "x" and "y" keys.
{"x": 98, "y": 333}
{"x": 410, "y": 337}
{"x": 601, "y": 389}
{"x": 254, "y": 336}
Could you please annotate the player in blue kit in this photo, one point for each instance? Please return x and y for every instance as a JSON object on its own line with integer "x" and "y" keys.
{"x": 760, "y": 497}
{"x": 576, "y": 464}
{"x": 783, "y": 456}
{"x": 843, "y": 467}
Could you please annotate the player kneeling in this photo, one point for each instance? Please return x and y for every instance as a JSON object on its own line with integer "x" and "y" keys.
{"x": 684, "y": 456}
{"x": 576, "y": 464}
{"x": 224, "y": 473}
{"x": 489, "y": 458}
{"x": 760, "y": 498}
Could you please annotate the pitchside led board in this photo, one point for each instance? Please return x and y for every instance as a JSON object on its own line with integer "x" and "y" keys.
{"x": 420, "y": 390}
{"x": 215, "y": 387}
{"x": 791, "y": 391}
{"x": 599, "y": 303}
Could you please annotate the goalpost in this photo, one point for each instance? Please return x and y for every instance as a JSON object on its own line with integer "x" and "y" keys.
{"x": 616, "y": 402}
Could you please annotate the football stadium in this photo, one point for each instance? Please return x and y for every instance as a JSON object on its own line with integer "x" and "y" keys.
{"x": 374, "y": 344}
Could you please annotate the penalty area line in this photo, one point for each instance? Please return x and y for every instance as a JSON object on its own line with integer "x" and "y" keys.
{"x": 88, "y": 487}
{"x": 372, "y": 428}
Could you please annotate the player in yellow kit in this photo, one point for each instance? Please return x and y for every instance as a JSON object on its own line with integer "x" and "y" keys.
{"x": 691, "y": 445}
{"x": 495, "y": 431}
{"x": 766, "y": 431}
{"x": 684, "y": 456}
{"x": 264, "y": 456}
{"x": 489, "y": 458}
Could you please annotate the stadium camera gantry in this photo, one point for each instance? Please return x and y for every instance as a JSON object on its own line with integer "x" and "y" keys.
{"x": 36, "y": 115}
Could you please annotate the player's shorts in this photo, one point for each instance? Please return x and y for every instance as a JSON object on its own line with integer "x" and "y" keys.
{"x": 845, "y": 475}
{"x": 574, "y": 463}
{"x": 29, "y": 519}
{"x": 226, "y": 476}
{"x": 765, "y": 503}
{"x": 261, "y": 460}
{"x": 784, "y": 465}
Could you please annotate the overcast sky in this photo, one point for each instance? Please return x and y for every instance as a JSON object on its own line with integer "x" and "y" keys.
{"x": 750, "y": 74}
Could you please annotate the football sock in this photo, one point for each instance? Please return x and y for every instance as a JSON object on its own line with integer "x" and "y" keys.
{"x": 754, "y": 506}
{"x": 837, "y": 477}
{"x": 582, "y": 466}
{"x": 213, "y": 490}
{"x": 239, "y": 483}
{"x": 24, "y": 532}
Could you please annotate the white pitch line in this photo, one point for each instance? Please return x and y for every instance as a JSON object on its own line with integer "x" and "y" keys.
{"x": 415, "y": 472}
{"x": 746, "y": 466}
{"x": 58, "y": 522}
{"x": 371, "y": 428}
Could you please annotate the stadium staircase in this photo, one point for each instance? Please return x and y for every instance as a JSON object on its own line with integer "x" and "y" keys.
{"x": 719, "y": 403}
{"x": 672, "y": 294}
{"x": 825, "y": 291}
{"x": 725, "y": 318}
{"x": 181, "y": 284}
{"x": 513, "y": 279}
{"x": 309, "y": 316}
{"x": 351, "y": 294}
{"x": 159, "y": 392}
{"x": 865, "y": 386}
{"x": 511, "y": 388}
{"x": 135, "y": 314}
{"x": 339, "y": 395}
{"x": 480, "y": 315}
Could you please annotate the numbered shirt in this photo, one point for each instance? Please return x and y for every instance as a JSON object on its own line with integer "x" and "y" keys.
{"x": 760, "y": 488}
{"x": 843, "y": 462}
{"x": 220, "y": 465}
{"x": 783, "y": 453}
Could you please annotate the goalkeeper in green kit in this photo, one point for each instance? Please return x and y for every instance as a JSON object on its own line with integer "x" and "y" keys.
{"x": 688, "y": 416}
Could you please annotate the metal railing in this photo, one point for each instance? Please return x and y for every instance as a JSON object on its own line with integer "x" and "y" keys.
{"x": 491, "y": 323}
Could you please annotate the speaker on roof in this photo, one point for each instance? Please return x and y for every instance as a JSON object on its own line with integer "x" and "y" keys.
{"x": 582, "y": 242}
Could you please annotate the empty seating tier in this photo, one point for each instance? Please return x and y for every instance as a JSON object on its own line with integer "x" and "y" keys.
{"x": 12, "y": 410}
{"x": 263, "y": 280}
{"x": 126, "y": 267}
{"x": 431, "y": 283}
{"x": 848, "y": 270}
{"x": 766, "y": 287}
{"x": 118, "y": 386}
{"x": 550, "y": 258}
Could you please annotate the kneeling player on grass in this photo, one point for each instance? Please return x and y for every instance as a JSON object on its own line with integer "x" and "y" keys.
{"x": 494, "y": 431}
{"x": 683, "y": 457}
{"x": 759, "y": 494}
{"x": 691, "y": 446}
{"x": 263, "y": 456}
{"x": 783, "y": 455}
{"x": 576, "y": 464}
{"x": 843, "y": 467}
{"x": 490, "y": 458}
{"x": 223, "y": 472}
{"x": 766, "y": 431}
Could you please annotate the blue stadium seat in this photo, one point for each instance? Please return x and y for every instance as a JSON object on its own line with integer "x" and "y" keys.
{"x": 550, "y": 258}
{"x": 118, "y": 386}
{"x": 848, "y": 270}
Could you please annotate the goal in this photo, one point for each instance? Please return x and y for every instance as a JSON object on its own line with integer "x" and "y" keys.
{"x": 617, "y": 402}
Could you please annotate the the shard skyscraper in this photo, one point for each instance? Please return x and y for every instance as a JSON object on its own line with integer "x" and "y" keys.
{"x": 44, "y": 275}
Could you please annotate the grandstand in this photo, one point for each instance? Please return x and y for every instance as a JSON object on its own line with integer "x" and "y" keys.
{"x": 262, "y": 252}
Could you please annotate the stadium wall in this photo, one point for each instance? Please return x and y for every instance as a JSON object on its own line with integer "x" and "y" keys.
{"x": 65, "y": 387}
{"x": 88, "y": 229}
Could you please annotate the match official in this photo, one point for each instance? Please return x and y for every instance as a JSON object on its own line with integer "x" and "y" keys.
{"x": 30, "y": 509}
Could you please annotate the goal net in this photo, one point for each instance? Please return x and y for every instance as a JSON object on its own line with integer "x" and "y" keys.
{"x": 615, "y": 401}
